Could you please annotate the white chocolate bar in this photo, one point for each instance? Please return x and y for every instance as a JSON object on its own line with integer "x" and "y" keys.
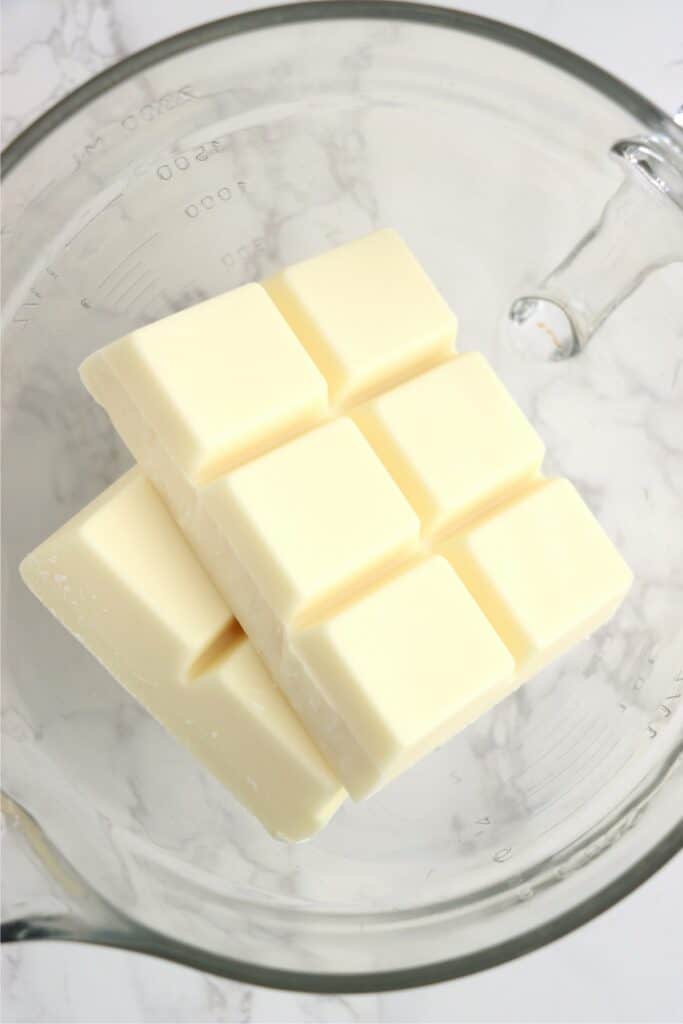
{"x": 121, "y": 576}
{"x": 327, "y": 535}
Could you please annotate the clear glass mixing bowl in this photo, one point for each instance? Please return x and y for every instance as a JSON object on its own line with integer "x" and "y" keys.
{"x": 210, "y": 160}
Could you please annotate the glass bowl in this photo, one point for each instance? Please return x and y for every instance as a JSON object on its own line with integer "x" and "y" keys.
{"x": 209, "y": 160}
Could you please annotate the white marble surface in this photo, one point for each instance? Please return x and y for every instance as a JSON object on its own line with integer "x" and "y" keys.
{"x": 624, "y": 966}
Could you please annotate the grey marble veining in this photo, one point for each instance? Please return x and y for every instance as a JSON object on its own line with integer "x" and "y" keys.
{"x": 49, "y": 49}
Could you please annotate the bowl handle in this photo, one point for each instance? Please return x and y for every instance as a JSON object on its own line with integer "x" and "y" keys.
{"x": 48, "y": 898}
{"x": 640, "y": 230}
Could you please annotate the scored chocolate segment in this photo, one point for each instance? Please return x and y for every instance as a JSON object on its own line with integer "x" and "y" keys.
{"x": 421, "y": 628}
{"x": 367, "y": 314}
{"x": 543, "y": 570}
{"x": 220, "y": 382}
{"x": 454, "y": 440}
{"x": 116, "y": 569}
{"x": 314, "y": 516}
{"x": 121, "y": 576}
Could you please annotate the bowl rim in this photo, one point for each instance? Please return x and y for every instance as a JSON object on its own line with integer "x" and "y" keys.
{"x": 330, "y": 10}
{"x": 140, "y": 938}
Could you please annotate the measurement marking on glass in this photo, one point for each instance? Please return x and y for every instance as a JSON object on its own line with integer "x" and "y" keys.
{"x": 579, "y": 727}
{"x": 201, "y": 153}
{"x": 578, "y": 755}
{"x": 604, "y": 786}
{"x": 207, "y": 202}
{"x": 134, "y": 269}
{"x": 536, "y": 724}
{"x": 93, "y": 218}
{"x": 136, "y": 298}
{"x": 156, "y": 108}
{"x": 126, "y": 258}
{"x": 23, "y": 315}
{"x": 592, "y": 764}
{"x": 133, "y": 286}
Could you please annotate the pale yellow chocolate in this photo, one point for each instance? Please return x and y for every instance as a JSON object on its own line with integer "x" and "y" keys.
{"x": 326, "y": 534}
{"x": 121, "y": 576}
